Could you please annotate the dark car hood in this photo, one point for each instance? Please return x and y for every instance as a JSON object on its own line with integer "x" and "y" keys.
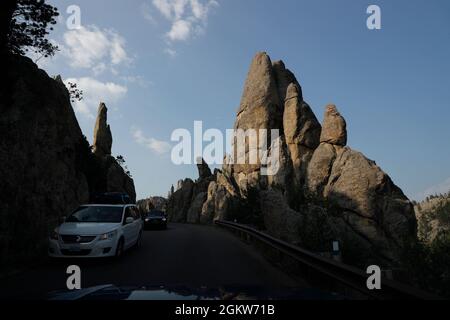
{"x": 113, "y": 292}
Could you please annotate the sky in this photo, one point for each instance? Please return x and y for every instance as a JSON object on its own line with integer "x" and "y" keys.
{"x": 160, "y": 65}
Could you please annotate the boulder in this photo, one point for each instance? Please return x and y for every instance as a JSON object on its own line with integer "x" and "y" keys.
{"x": 334, "y": 128}
{"x": 319, "y": 168}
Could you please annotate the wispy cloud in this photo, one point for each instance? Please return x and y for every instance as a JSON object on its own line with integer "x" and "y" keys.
{"x": 171, "y": 52}
{"x": 440, "y": 188}
{"x": 188, "y": 18}
{"x": 146, "y": 11}
{"x": 94, "y": 48}
{"x": 158, "y": 146}
{"x": 139, "y": 80}
{"x": 95, "y": 91}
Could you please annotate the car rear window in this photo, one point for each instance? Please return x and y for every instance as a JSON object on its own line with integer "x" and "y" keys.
{"x": 156, "y": 213}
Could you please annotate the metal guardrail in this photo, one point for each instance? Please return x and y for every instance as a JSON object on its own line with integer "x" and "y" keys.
{"x": 348, "y": 276}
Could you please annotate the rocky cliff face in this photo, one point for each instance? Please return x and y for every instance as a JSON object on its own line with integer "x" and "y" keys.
{"x": 47, "y": 166}
{"x": 324, "y": 190}
{"x": 41, "y": 171}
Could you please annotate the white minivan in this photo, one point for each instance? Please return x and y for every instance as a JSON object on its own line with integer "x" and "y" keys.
{"x": 97, "y": 230}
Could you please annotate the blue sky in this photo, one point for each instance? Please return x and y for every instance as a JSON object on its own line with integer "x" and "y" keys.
{"x": 162, "y": 64}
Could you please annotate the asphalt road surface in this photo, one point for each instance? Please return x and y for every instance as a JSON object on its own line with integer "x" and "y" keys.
{"x": 188, "y": 255}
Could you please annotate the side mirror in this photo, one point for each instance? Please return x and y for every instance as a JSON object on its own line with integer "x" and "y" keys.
{"x": 129, "y": 220}
{"x": 63, "y": 219}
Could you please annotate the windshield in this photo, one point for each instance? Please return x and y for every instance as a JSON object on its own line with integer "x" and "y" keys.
{"x": 96, "y": 214}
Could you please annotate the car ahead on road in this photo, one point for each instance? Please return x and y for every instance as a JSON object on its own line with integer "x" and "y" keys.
{"x": 97, "y": 230}
{"x": 155, "y": 219}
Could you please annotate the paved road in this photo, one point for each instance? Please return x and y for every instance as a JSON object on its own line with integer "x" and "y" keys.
{"x": 181, "y": 255}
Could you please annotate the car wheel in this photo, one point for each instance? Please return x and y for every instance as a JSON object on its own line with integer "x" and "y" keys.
{"x": 119, "y": 249}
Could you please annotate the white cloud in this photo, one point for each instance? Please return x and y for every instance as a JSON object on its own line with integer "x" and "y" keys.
{"x": 443, "y": 187}
{"x": 181, "y": 30}
{"x": 172, "y": 53}
{"x": 158, "y": 146}
{"x": 187, "y": 17}
{"x": 147, "y": 13}
{"x": 94, "y": 92}
{"x": 91, "y": 47}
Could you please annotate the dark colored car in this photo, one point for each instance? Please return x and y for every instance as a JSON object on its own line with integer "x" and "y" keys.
{"x": 155, "y": 219}
{"x": 110, "y": 198}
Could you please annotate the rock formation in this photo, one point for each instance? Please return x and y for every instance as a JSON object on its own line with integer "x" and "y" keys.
{"x": 112, "y": 177}
{"x": 323, "y": 191}
{"x": 157, "y": 203}
{"x": 186, "y": 203}
{"x": 41, "y": 175}
{"x": 102, "y": 133}
{"x": 334, "y": 130}
{"x": 433, "y": 217}
{"x": 302, "y": 131}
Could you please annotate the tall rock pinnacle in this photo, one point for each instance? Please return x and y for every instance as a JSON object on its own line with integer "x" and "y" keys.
{"x": 102, "y": 133}
{"x": 260, "y": 108}
{"x": 302, "y": 131}
{"x": 284, "y": 77}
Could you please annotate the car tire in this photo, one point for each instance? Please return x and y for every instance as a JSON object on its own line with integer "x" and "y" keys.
{"x": 119, "y": 249}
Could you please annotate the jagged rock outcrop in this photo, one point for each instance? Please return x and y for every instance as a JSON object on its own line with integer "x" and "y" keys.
{"x": 185, "y": 204}
{"x": 102, "y": 133}
{"x": 41, "y": 172}
{"x": 433, "y": 217}
{"x": 334, "y": 130}
{"x": 302, "y": 131}
{"x": 204, "y": 171}
{"x": 178, "y": 205}
{"x": 157, "y": 203}
{"x": 365, "y": 197}
{"x": 112, "y": 177}
{"x": 222, "y": 200}
{"x": 323, "y": 190}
